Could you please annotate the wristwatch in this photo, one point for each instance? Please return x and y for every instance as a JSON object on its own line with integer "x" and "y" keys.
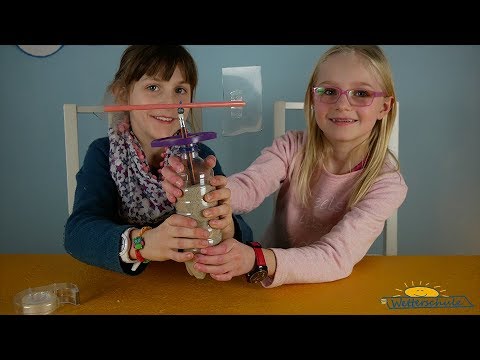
{"x": 126, "y": 247}
{"x": 124, "y": 251}
{"x": 260, "y": 270}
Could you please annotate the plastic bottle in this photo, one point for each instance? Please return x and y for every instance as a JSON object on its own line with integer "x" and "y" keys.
{"x": 196, "y": 177}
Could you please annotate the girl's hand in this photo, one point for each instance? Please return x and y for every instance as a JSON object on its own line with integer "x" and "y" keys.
{"x": 224, "y": 261}
{"x": 172, "y": 182}
{"x": 220, "y": 215}
{"x": 163, "y": 242}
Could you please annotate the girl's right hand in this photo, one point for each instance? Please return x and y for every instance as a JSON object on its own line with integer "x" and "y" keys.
{"x": 172, "y": 182}
{"x": 163, "y": 242}
{"x": 220, "y": 215}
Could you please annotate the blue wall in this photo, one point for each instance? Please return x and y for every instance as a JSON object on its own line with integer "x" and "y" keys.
{"x": 437, "y": 87}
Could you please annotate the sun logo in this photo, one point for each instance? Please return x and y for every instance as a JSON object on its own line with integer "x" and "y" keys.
{"x": 417, "y": 296}
{"x": 421, "y": 290}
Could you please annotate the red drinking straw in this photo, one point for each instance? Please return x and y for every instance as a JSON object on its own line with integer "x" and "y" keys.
{"x": 114, "y": 108}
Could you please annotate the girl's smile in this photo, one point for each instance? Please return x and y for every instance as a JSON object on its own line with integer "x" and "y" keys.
{"x": 343, "y": 121}
{"x": 163, "y": 118}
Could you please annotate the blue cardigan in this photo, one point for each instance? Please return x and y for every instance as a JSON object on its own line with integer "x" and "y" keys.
{"x": 93, "y": 230}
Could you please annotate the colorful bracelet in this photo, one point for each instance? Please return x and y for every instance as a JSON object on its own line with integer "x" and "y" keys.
{"x": 139, "y": 244}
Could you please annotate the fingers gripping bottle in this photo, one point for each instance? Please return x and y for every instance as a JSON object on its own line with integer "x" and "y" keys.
{"x": 196, "y": 179}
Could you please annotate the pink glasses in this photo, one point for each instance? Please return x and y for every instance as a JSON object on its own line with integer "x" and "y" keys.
{"x": 356, "y": 97}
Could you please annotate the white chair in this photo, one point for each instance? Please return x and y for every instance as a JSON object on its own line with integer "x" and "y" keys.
{"x": 390, "y": 231}
{"x": 70, "y": 121}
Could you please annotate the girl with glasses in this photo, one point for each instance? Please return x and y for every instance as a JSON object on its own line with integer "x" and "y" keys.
{"x": 338, "y": 182}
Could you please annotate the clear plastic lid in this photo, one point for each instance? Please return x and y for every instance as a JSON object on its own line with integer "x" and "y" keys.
{"x": 44, "y": 300}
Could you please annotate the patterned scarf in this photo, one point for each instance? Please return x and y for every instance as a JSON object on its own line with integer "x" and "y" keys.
{"x": 143, "y": 201}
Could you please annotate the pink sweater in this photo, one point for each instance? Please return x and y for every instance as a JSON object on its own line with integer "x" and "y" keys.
{"x": 322, "y": 242}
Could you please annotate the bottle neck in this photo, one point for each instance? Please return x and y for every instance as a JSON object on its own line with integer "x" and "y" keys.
{"x": 194, "y": 172}
{"x": 189, "y": 149}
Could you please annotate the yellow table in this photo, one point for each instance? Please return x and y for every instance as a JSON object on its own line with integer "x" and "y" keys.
{"x": 390, "y": 285}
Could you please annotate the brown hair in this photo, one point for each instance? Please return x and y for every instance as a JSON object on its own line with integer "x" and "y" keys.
{"x": 152, "y": 60}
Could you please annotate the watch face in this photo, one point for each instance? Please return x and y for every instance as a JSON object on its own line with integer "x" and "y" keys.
{"x": 257, "y": 276}
{"x": 124, "y": 245}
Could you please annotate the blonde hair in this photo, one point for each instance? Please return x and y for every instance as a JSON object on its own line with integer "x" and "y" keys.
{"x": 317, "y": 148}
{"x": 153, "y": 60}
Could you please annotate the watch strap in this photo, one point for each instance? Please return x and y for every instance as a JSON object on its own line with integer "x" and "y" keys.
{"x": 125, "y": 250}
{"x": 260, "y": 269}
{"x": 259, "y": 257}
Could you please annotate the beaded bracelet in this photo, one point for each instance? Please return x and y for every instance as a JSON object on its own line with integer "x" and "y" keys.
{"x": 139, "y": 244}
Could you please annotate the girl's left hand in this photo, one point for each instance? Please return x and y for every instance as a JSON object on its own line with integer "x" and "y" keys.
{"x": 224, "y": 261}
